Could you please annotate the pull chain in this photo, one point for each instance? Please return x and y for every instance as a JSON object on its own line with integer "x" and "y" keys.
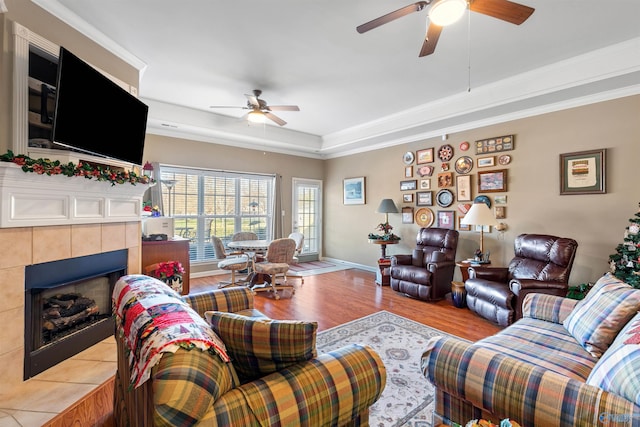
{"x": 468, "y": 47}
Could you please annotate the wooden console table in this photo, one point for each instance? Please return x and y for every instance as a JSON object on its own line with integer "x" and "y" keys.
{"x": 176, "y": 249}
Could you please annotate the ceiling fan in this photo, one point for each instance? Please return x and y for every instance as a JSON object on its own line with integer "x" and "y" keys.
{"x": 259, "y": 110}
{"x": 445, "y": 12}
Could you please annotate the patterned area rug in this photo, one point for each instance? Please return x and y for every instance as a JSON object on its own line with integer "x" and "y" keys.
{"x": 407, "y": 399}
{"x": 312, "y": 268}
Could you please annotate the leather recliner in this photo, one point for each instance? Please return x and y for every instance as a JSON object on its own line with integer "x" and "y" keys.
{"x": 427, "y": 272}
{"x": 542, "y": 264}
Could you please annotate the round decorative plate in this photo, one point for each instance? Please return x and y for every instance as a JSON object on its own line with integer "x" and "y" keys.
{"x": 505, "y": 159}
{"x": 444, "y": 198}
{"x": 464, "y": 146}
{"x": 424, "y": 217}
{"x": 445, "y": 153}
{"x": 408, "y": 158}
{"x": 464, "y": 164}
{"x": 483, "y": 199}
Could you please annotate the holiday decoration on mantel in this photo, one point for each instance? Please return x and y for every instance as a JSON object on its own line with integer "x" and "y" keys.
{"x": 86, "y": 170}
{"x": 625, "y": 264}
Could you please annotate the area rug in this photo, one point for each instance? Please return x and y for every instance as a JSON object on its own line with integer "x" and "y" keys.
{"x": 311, "y": 268}
{"x": 407, "y": 399}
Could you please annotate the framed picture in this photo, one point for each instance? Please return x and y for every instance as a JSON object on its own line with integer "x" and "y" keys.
{"x": 445, "y": 179}
{"x": 583, "y": 172}
{"x": 407, "y": 215}
{"x": 463, "y": 188}
{"x": 353, "y": 191}
{"x": 500, "y": 212}
{"x": 408, "y": 171}
{"x": 500, "y": 200}
{"x": 495, "y": 144}
{"x": 463, "y": 227}
{"x": 424, "y": 156}
{"x": 425, "y": 170}
{"x": 407, "y": 198}
{"x": 425, "y": 184}
{"x": 492, "y": 181}
{"x": 446, "y": 219}
{"x": 424, "y": 198}
{"x": 485, "y": 228}
{"x": 407, "y": 185}
{"x": 485, "y": 162}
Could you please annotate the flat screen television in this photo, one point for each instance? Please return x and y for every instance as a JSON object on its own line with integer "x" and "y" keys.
{"x": 96, "y": 116}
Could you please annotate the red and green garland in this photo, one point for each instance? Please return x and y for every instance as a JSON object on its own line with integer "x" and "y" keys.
{"x": 86, "y": 170}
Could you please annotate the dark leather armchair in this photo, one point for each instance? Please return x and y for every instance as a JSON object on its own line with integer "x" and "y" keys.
{"x": 542, "y": 264}
{"x": 427, "y": 272}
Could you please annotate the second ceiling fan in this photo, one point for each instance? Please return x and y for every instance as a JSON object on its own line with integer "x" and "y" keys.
{"x": 505, "y": 10}
{"x": 261, "y": 110}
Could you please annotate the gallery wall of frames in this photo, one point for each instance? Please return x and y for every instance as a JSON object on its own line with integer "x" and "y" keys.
{"x": 440, "y": 183}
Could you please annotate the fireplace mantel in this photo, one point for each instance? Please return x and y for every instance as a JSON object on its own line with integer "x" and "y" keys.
{"x": 29, "y": 199}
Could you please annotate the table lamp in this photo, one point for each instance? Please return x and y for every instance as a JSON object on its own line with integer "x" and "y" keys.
{"x": 480, "y": 214}
{"x": 386, "y": 207}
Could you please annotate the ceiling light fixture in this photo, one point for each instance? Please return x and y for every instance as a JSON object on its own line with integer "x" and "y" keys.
{"x": 256, "y": 116}
{"x": 446, "y": 12}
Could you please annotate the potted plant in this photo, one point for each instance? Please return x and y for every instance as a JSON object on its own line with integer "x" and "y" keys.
{"x": 170, "y": 272}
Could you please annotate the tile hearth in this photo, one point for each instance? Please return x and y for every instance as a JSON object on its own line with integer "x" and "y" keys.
{"x": 41, "y": 398}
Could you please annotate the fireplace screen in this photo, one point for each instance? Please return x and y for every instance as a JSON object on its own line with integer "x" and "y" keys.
{"x": 68, "y": 307}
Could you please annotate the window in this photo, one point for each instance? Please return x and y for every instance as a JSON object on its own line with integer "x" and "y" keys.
{"x": 206, "y": 202}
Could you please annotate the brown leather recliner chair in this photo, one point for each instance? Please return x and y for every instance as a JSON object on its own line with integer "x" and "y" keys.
{"x": 542, "y": 264}
{"x": 427, "y": 272}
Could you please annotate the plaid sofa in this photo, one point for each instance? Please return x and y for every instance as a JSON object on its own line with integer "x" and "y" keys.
{"x": 533, "y": 372}
{"x": 190, "y": 386}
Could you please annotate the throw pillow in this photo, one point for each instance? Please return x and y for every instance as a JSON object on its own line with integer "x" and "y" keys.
{"x": 260, "y": 346}
{"x": 618, "y": 370}
{"x": 596, "y": 320}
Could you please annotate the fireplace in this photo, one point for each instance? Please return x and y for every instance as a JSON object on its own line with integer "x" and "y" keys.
{"x": 68, "y": 307}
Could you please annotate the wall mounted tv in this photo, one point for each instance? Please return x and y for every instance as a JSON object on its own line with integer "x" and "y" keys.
{"x": 96, "y": 116}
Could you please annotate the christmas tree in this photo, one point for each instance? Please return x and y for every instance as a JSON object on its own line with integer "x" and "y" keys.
{"x": 625, "y": 264}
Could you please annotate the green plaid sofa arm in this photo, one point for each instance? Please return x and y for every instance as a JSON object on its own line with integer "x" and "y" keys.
{"x": 531, "y": 395}
{"x": 231, "y": 300}
{"x": 551, "y": 308}
{"x": 336, "y": 388}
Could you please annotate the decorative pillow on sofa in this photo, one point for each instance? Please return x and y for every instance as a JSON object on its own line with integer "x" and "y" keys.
{"x": 618, "y": 370}
{"x": 596, "y": 320}
{"x": 258, "y": 347}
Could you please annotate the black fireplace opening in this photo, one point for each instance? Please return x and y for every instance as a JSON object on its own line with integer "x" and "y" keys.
{"x": 68, "y": 307}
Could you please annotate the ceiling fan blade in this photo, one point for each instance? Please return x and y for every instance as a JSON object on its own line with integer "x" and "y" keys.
{"x": 416, "y": 7}
{"x": 253, "y": 100}
{"x": 505, "y": 10}
{"x": 283, "y": 108}
{"x": 226, "y": 106}
{"x": 275, "y": 118}
{"x": 430, "y": 40}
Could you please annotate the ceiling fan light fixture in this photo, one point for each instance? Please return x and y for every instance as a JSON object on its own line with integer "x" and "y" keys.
{"x": 256, "y": 116}
{"x": 446, "y": 12}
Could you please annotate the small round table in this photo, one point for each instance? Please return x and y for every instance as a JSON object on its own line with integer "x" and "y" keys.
{"x": 383, "y": 245}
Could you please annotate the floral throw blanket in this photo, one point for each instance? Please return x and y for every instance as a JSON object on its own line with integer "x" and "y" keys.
{"x": 153, "y": 320}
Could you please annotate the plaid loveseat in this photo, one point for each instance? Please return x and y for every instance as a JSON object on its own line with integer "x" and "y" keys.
{"x": 172, "y": 370}
{"x": 533, "y": 372}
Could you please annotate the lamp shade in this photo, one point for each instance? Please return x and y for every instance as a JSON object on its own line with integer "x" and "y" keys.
{"x": 479, "y": 214}
{"x": 387, "y": 206}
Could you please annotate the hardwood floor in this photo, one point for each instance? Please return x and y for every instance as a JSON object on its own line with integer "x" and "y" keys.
{"x": 330, "y": 299}
{"x": 334, "y": 298}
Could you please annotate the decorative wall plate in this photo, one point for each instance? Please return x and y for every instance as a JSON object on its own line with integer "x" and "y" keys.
{"x": 444, "y": 198}
{"x": 505, "y": 159}
{"x": 464, "y": 164}
{"x": 445, "y": 153}
{"x": 483, "y": 199}
{"x": 464, "y": 146}
{"x": 408, "y": 157}
{"x": 425, "y": 171}
{"x": 425, "y": 217}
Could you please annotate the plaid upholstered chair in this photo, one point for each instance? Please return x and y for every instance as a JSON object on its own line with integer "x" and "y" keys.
{"x": 279, "y": 256}
{"x": 177, "y": 373}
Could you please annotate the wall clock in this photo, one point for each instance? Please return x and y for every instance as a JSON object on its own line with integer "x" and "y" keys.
{"x": 424, "y": 217}
{"x": 445, "y": 153}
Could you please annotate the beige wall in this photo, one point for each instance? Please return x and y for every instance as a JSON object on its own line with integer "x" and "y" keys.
{"x": 534, "y": 205}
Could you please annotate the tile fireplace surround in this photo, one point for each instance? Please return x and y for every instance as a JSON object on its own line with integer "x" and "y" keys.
{"x": 86, "y": 217}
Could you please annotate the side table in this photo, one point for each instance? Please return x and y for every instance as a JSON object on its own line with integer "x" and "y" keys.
{"x": 382, "y": 274}
{"x": 464, "y": 268}
{"x": 383, "y": 245}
